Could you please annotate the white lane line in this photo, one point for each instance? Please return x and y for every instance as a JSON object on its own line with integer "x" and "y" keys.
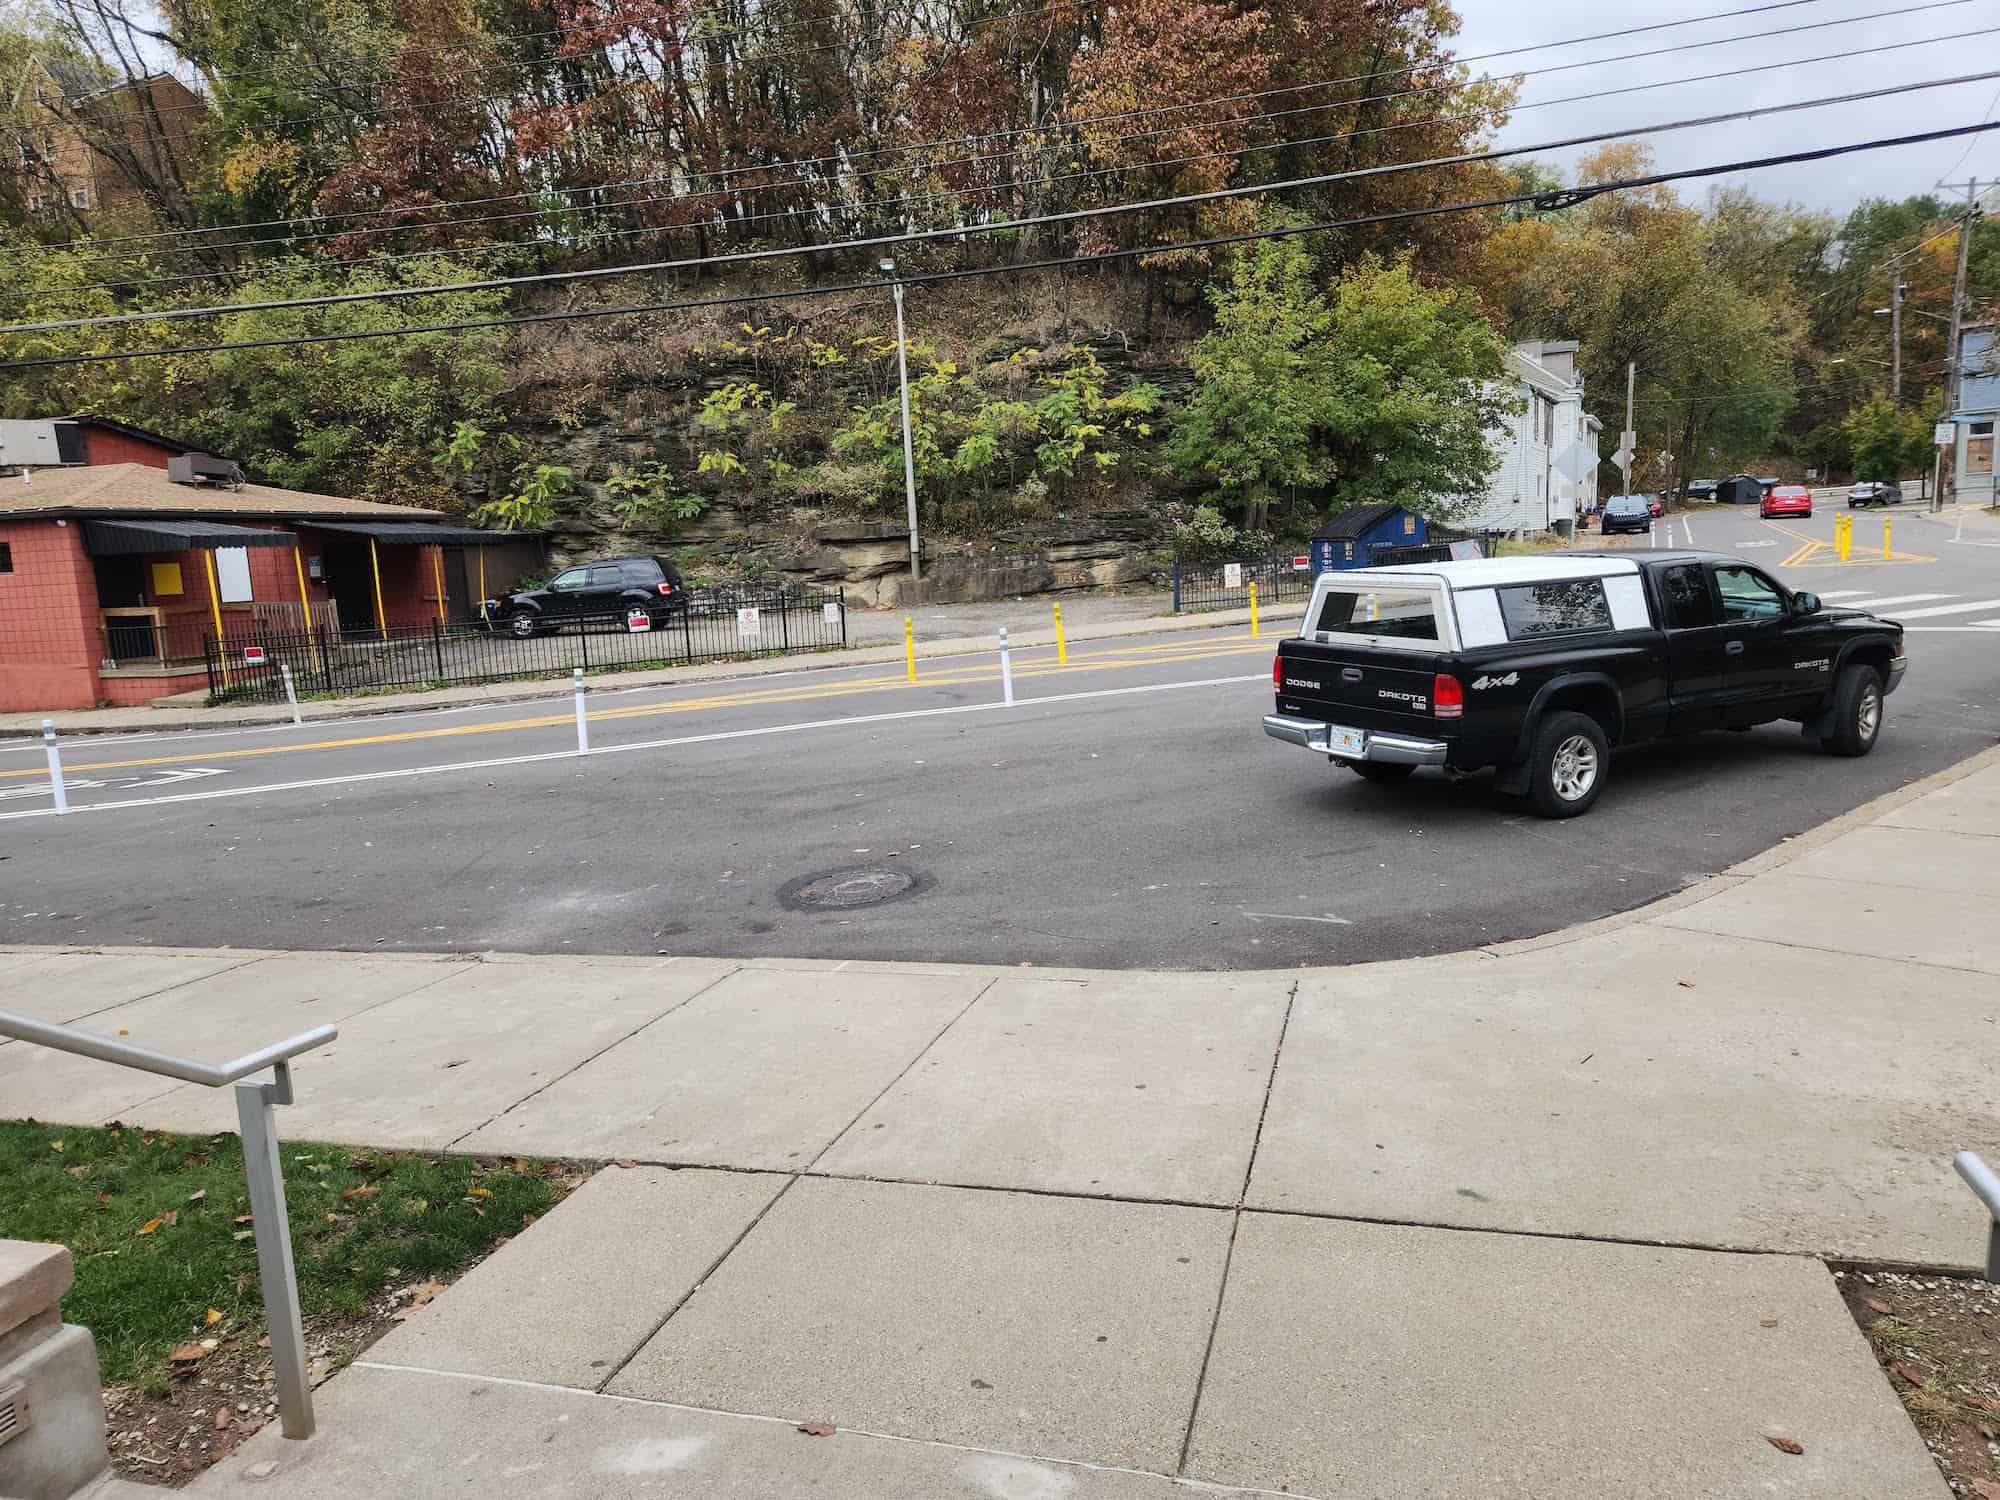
{"x": 1285, "y": 916}
{"x": 1948, "y": 609}
{"x": 598, "y": 752}
{"x": 1687, "y": 525}
{"x": 1846, "y": 594}
{"x": 1889, "y": 599}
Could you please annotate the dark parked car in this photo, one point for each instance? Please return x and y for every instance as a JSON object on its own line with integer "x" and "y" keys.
{"x": 603, "y": 591}
{"x": 1873, "y": 492}
{"x": 1700, "y": 489}
{"x": 1627, "y": 513}
{"x": 1740, "y": 489}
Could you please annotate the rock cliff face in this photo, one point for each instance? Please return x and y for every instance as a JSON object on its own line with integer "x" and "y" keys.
{"x": 819, "y": 539}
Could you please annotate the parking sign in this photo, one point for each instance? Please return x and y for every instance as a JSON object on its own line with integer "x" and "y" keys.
{"x": 748, "y": 626}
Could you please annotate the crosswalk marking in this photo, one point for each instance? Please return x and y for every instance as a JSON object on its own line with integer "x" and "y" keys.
{"x": 1888, "y": 599}
{"x": 1949, "y": 609}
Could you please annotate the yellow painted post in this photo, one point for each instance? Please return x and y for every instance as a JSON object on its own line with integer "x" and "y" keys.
{"x": 305, "y": 599}
{"x": 1885, "y": 539}
{"x": 1062, "y": 646}
{"x": 1253, "y": 609}
{"x": 215, "y": 610}
{"x": 437, "y": 576}
{"x": 375, "y": 567}
{"x": 910, "y": 646}
{"x": 482, "y": 581}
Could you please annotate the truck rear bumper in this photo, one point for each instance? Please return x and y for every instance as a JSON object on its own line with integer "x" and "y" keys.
{"x": 1396, "y": 749}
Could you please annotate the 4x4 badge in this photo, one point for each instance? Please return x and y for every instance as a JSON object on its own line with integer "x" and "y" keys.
{"x": 1481, "y": 684}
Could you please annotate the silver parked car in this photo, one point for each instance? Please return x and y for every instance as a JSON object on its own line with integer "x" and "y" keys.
{"x": 1873, "y": 492}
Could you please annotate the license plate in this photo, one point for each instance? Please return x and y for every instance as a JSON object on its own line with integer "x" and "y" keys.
{"x": 1341, "y": 741}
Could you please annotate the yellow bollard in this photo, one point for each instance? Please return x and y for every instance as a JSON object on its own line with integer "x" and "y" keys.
{"x": 1062, "y": 646}
{"x": 1885, "y": 539}
{"x": 910, "y": 646}
{"x": 1843, "y": 536}
{"x": 1253, "y": 610}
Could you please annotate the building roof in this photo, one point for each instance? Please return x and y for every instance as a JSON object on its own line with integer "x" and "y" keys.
{"x": 126, "y": 429}
{"x": 140, "y": 490}
{"x": 1345, "y": 525}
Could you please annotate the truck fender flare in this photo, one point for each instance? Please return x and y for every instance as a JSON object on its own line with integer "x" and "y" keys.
{"x": 1532, "y": 719}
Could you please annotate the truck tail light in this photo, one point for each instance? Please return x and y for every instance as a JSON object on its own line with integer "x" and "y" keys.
{"x": 1447, "y": 697}
{"x": 1278, "y": 670}
{"x": 666, "y": 588}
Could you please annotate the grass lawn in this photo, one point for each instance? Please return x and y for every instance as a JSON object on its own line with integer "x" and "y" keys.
{"x": 158, "y": 1225}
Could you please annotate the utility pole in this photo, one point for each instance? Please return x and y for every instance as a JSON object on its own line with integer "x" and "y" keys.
{"x": 1628, "y": 440}
{"x": 909, "y": 461}
{"x": 1896, "y": 338}
{"x": 1952, "y": 357}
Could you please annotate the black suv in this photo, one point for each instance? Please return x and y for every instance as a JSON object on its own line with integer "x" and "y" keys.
{"x": 1627, "y": 513}
{"x": 601, "y": 591}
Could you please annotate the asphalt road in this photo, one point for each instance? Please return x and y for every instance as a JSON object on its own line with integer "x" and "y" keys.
{"x": 1127, "y": 812}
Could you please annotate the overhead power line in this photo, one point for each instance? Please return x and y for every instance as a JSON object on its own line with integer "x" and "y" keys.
{"x": 745, "y": 299}
{"x": 737, "y": 222}
{"x": 921, "y": 236}
{"x": 961, "y": 141}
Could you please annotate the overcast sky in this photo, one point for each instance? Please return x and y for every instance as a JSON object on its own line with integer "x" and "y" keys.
{"x": 1836, "y": 185}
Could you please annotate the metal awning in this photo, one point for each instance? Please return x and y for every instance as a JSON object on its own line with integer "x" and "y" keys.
{"x": 423, "y": 533}
{"x": 130, "y": 538}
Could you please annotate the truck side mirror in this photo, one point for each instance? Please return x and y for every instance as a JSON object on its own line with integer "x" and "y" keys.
{"x": 1806, "y": 604}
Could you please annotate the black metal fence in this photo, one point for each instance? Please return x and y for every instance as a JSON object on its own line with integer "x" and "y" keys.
{"x": 703, "y": 625}
{"x": 1279, "y": 577}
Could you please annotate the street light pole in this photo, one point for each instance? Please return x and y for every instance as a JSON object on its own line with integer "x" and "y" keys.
{"x": 909, "y": 459}
{"x": 1896, "y": 340}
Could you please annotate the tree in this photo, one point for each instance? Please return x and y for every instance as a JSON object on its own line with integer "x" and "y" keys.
{"x": 1887, "y": 443}
{"x": 1385, "y": 392}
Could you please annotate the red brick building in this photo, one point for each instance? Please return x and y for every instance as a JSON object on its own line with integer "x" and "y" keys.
{"x": 114, "y": 574}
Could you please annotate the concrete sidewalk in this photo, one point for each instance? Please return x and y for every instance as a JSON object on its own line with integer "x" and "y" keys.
{"x": 940, "y": 633}
{"x": 1542, "y": 1220}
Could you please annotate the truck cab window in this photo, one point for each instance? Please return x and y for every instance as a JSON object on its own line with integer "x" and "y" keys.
{"x": 1690, "y": 606}
{"x": 1747, "y": 595}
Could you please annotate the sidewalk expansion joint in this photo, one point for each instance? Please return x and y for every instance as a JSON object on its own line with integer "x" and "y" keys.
{"x": 586, "y": 1062}
{"x": 1201, "y": 1486}
{"x": 1235, "y": 1225}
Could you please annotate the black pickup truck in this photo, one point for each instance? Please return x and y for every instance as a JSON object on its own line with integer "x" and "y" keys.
{"x": 1540, "y": 666}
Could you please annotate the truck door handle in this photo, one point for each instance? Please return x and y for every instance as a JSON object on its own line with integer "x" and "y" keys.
{"x": 1350, "y": 674}
{"x": 1734, "y": 648}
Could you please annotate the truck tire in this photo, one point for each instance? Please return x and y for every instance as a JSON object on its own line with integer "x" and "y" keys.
{"x": 1856, "y": 715}
{"x": 1381, "y": 770}
{"x": 1567, "y": 767}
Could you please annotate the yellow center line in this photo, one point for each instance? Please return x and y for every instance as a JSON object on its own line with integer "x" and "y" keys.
{"x": 963, "y": 677}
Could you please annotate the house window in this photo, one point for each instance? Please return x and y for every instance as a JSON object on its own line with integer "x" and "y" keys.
{"x": 79, "y": 197}
{"x": 1979, "y": 448}
{"x": 6, "y": 557}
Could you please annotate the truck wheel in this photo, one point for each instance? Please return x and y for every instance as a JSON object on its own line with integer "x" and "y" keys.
{"x": 1566, "y": 769}
{"x": 1857, "y": 712}
{"x": 1381, "y": 770}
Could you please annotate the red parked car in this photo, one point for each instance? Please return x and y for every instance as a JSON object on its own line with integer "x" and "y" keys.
{"x": 1786, "y": 500}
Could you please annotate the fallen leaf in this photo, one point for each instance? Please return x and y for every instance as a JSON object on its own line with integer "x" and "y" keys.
{"x": 1986, "y": 1489}
{"x": 1686, "y": 984}
{"x": 626, "y": 1162}
{"x": 244, "y": 1234}
{"x": 1987, "y": 1430}
{"x": 817, "y": 1429}
{"x": 424, "y": 1292}
{"x": 355, "y": 1193}
{"x": 1915, "y": 1377}
{"x": 210, "y": 1343}
{"x": 103, "y": 1197}
{"x": 222, "y": 1419}
{"x": 243, "y": 1219}
{"x": 1784, "y": 1444}
{"x": 197, "y": 1195}
{"x": 211, "y": 1317}
{"x": 458, "y": 1062}
{"x": 150, "y": 1225}
{"x": 186, "y": 1354}
{"x": 171, "y": 1217}
{"x": 1876, "y": 1304}
{"x": 479, "y": 1192}
{"x": 416, "y": 1205}
{"x": 1767, "y": 1323}
{"x": 55, "y": 1145}
{"x": 76, "y": 1171}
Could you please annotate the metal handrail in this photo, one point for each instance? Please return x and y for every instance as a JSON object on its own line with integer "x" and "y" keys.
{"x": 130, "y": 1055}
{"x": 276, "y": 1273}
{"x": 1985, "y": 1185}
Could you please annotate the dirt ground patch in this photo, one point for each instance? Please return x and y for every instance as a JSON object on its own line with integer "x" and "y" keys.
{"x": 1938, "y": 1341}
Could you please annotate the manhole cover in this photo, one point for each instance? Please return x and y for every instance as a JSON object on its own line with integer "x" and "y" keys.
{"x": 856, "y": 886}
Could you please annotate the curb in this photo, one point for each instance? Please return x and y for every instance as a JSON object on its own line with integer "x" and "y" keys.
{"x": 172, "y": 720}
